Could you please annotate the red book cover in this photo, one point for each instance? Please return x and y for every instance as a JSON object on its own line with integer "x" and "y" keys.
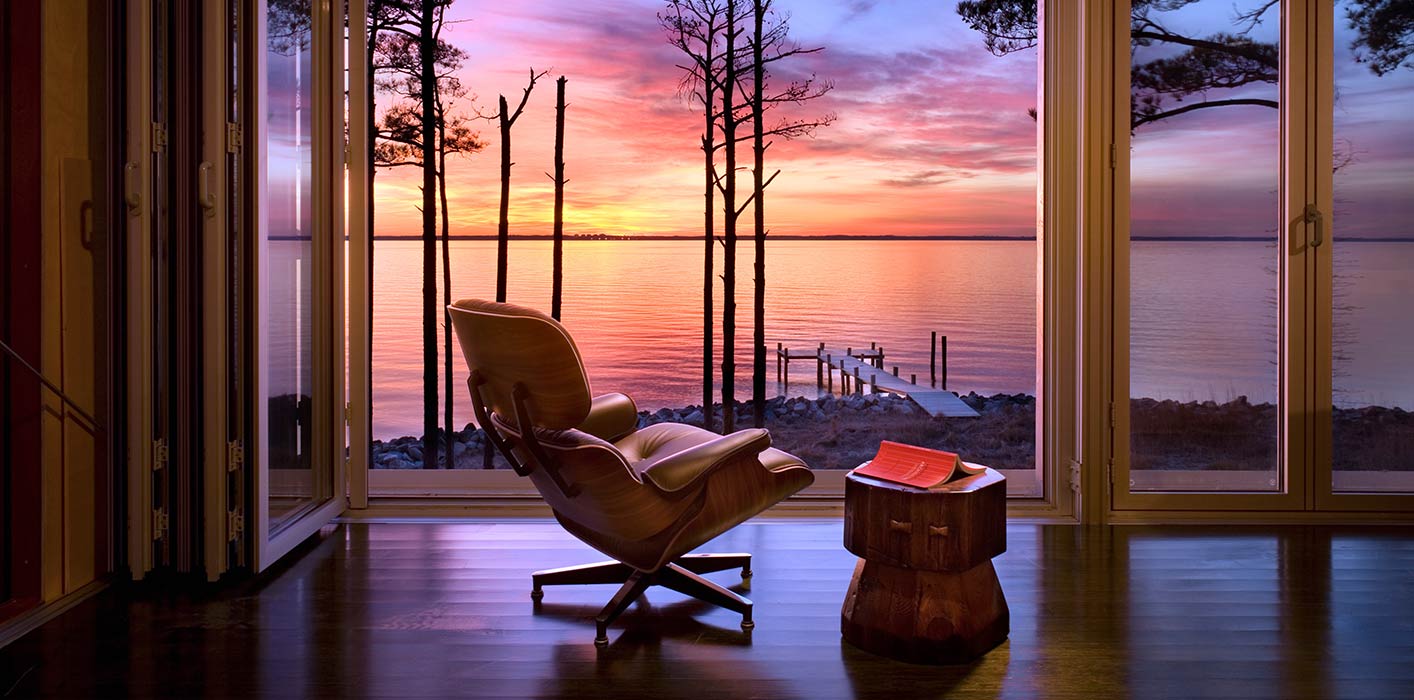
{"x": 915, "y": 466}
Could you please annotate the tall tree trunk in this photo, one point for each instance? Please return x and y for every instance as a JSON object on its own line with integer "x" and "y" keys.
{"x": 729, "y": 124}
{"x": 448, "y": 424}
{"x": 557, "y": 286}
{"x": 758, "y": 374}
{"x": 427, "y": 52}
{"x": 503, "y": 231}
{"x": 708, "y": 242}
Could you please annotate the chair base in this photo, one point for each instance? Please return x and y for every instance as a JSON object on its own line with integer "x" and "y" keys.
{"x": 682, "y": 575}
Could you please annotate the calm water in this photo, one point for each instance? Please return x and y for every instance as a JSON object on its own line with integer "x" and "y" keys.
{"x": 1202, "y": 315}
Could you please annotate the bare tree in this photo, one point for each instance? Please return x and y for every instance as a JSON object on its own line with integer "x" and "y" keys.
{"x": 558, "y": 263}
{"x": 729, "y": 121}
{"x": 769, "y": 44}
{"x": 507, "y": 119}
{"x": 695, "y": 27}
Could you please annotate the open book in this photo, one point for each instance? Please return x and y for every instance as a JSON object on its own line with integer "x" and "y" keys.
{"x": 915, "y": 466}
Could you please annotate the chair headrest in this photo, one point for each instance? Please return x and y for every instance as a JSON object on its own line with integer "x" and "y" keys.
{"x": 512, "y": 344}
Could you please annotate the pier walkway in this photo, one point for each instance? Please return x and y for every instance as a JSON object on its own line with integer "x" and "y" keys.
{"x": 938, "y": 402}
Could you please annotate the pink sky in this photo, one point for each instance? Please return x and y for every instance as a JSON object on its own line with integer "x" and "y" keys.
{"x": 932, "y": 134}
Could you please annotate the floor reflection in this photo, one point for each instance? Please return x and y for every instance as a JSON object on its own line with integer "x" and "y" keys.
{"x": 439, "y": 609}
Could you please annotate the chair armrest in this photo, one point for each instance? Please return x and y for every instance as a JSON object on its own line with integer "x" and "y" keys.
{"x": 686, "y": 469}
{"x": 611, "y": 417}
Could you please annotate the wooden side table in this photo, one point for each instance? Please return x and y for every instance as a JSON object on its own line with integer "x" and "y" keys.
{"x": 925, "y": 590}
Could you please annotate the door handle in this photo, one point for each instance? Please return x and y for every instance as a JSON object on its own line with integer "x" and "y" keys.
{"x": 205, "y": 197}
{"x": 1312, "y": 215}
{"x": 134, "y": 195}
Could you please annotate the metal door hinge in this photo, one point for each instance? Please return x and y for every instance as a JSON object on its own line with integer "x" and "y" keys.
{"x": 159, "y": 137}
{"x": 159, "y": 454}
{"x": 235, "y": 525}
{"x": 348, "y": 414}
{"x": 1075, "y": 469}
{"x": 1114, "y": 422}
{"x": 235, "y": 455}
{"x": 1114, "y": 157}
{"x": 233, "y": 137}
{"x": 159, "y": 524}
{"x": 1110, "y": 472}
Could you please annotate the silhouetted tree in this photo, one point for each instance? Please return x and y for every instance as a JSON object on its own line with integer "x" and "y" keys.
{"x": 1384, "y": 33}
{"x": 400, "y": 139}
{"x": 769, "y": 44}
{"x": 507, "y": 119}
{"x": 1159, "y": 86}
{"x": 730, "y": 119}
{"x": 1218, "y": 61}
{"x": 558, "y": 263}
{"x": 695, "y": 28}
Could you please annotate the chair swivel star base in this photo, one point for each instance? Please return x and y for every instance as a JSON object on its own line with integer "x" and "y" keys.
{"x": 682, "y": 575}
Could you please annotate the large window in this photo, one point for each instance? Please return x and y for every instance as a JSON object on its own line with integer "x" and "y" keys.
{"x": 1203, "y": 255}
{"x": 901, "y": 224}
{"x": 1373, "y": 245}
{"x": 1265, "y": 266}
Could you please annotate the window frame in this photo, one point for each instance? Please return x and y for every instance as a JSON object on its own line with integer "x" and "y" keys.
{"x": 1060, "y": 335}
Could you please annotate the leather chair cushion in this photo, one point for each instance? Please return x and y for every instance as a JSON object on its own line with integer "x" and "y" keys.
{"x": 653, "y": 443}
{"x": 611, "y": 416}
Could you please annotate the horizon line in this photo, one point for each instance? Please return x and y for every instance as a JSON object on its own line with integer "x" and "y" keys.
{"x": 850, "y": 237}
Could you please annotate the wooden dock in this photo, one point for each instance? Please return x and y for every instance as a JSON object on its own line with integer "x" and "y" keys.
{"x": 861, "y": 372}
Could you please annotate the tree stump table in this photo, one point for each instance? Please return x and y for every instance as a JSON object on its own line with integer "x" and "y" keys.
{"x": 924, "y": 590}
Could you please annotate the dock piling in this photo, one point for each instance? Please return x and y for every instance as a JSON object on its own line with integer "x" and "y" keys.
{"x": 933, "y": 360}
{"x": 943, "y": 354}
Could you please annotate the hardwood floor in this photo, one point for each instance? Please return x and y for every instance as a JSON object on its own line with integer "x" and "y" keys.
{"x": 443, "y": 610}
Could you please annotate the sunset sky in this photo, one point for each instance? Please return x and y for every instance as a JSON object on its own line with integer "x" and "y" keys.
{"x": 932, "y": 136}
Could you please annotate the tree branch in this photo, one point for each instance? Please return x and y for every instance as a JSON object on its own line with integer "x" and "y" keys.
{"x": 1202, "y": 105}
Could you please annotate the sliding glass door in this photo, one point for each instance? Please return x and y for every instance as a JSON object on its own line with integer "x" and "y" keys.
{"x": 1260, "y": 260}
{"x": 1365, "y": 319}
{"x": 1207, "y": 270}
{"x": 295, "y": 262}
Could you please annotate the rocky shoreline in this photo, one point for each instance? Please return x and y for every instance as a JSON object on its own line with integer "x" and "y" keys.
{"x": 835, "y": 432}
{"x": 828, "y": 433}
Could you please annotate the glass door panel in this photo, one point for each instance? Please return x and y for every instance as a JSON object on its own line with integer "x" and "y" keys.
{"x": 1204, "y": 263}
{"x": 288, "y": 322}
{"x": 1372, "y": 243}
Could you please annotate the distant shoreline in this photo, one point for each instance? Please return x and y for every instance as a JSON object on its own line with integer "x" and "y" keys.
{"x": 843, "y": 237}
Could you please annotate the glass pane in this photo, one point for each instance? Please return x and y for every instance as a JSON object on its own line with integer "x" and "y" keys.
{"x": 911, "y": 214}
{"x": 1203, "y": 254}
{"x": 289, "y": 301}
{"x": 1373, "y": 245}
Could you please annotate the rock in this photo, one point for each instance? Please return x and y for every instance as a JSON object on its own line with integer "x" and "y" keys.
{"x": 695, "y": 418}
